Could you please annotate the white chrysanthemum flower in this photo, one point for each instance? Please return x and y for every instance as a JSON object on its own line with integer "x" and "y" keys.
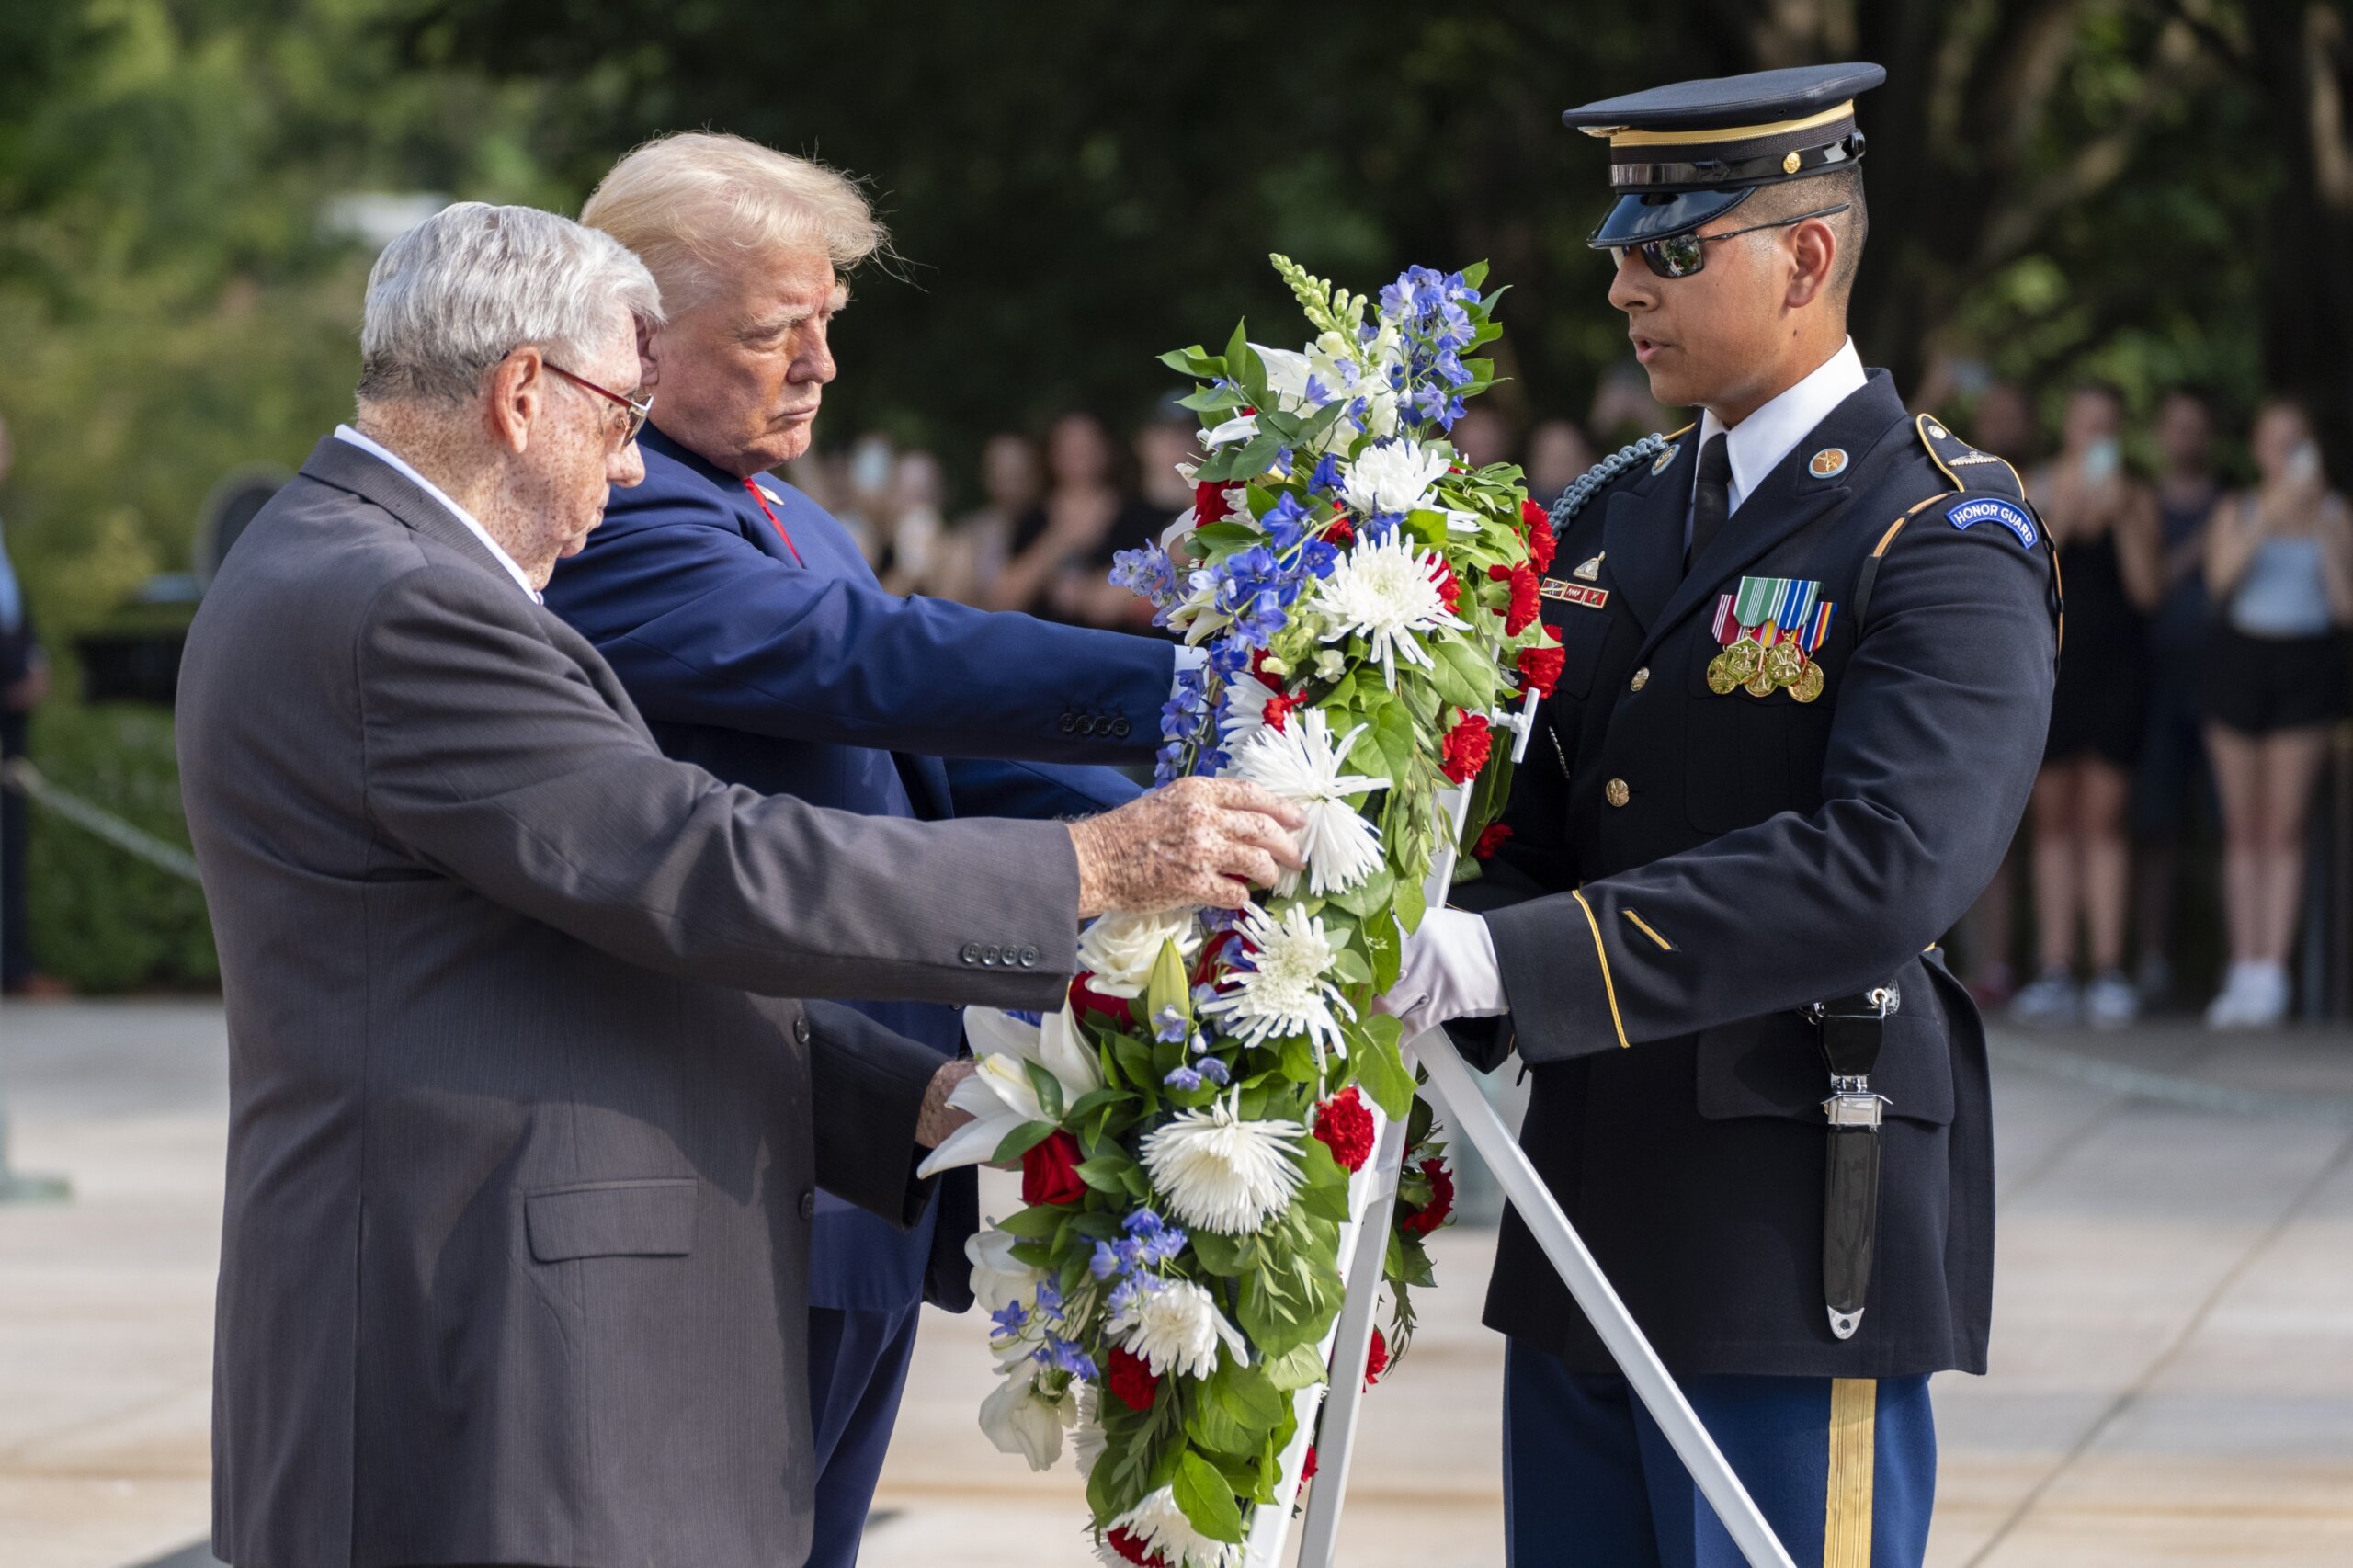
{"x": 1245, "y": 708}
{"x": 999, "y": 1096}
{"x": 1220, "y": 1173}
{"x": 1086, "y": 1439}
{"x": 997, "y": 1276}
{"x": 1288, "y": 990}
{"x": 1388, "y": 593}
{"x": 1160, "y": 1526}
{"x": 1301, "y": 763}
{"x": 1392, "y": 476}
{"x": 1173, "y": 1324}
{"x": 1019, "y": 1419}
{"x": 1121, "y": 949}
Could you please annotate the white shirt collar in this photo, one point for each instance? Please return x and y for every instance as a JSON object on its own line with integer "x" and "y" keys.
{"x": 1759, "y": 442}
{"x": 400, "y": 465}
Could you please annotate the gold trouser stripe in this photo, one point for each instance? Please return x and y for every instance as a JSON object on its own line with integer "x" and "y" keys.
{"x": 1626, "y": 136}
{"x": 1644, "y": 927}
{"x": 1608, "y": 986}
{"x": 1847, "y": 1511}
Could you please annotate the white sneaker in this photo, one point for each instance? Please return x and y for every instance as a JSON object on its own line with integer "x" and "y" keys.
{"x": 2234, "y": 1006}
{"x": 2267, "y": 995}
{"x": 2111, "y": 1002}
{"x": 2053, "y": 1002}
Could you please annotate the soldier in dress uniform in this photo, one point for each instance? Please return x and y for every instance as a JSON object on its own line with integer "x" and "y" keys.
{"x": 1810, "y": 645}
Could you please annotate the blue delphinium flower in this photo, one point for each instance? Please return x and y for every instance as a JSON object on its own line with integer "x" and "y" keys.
{"x": 1010, "y": 1318}
{"x": 1230, "y": 654}
{"x": 1318, "y": 557}
{"x": 1105, "y": 1263}
{"x": 1049, "y": 1298}
{"x": 1260, "y": 619}
{"x": 1146, "y": 571}
{"x": 1064, "y": 1355}
{"x": 1286, "y": 521}
{"x": 1168, "y": 1026}
{"x": 1214, "y": 1071}
{"x": 1317, "y": 393}
{"x": 1183, "y": 1079}
{"x": 1035, "y": 1021}
{"x": 1326, "y": 480}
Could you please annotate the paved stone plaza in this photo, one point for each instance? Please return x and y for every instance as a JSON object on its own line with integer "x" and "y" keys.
{"x": 2172, "y": 1351}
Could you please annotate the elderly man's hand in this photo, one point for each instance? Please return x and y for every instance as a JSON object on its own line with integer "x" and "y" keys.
{"x": 938, "y": 1119}
{"x": 1197, "y": 841}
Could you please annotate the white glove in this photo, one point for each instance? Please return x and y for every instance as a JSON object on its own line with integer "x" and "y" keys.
{"x": 1448, "y": 970}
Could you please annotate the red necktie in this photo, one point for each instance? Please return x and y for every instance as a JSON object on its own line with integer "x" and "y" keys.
{"x": 762, "y": 502}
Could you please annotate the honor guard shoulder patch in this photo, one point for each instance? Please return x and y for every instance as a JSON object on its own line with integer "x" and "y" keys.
{"x": 1988, "y": 509}
{"x": 1963, "y": 466}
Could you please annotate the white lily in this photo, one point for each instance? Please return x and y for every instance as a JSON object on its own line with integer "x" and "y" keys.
{"x": 1301, "y": 761}
{"x": 1119, "y": 949}
{"x": 1241, "y": 427}
{"x": 999, "y": 1096}
{"x": 998, "y": 1277}
{"x": 1019, "y": 1419}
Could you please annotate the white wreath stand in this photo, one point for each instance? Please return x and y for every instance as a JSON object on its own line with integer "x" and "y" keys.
{"x": 1372, "y": 1198}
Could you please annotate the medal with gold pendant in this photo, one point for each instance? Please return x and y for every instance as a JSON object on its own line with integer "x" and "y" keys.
{"x": 1792, "y": 608}
{"x": 1740, "y": 656}
{"x": 1807, "y": 637}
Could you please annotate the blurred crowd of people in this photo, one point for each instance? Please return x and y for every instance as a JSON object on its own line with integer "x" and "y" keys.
{"x": 2204, "y": 668}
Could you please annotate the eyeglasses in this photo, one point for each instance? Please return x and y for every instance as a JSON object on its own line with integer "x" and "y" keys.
{"x": 638, "y": 410}
{"x": 1685, "y": 256}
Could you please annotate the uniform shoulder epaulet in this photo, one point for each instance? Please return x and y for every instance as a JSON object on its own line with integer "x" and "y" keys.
{"x": 1985, "y": 489}
{"x": 1963, "y": 466}
{"x": 1590, "y": 483}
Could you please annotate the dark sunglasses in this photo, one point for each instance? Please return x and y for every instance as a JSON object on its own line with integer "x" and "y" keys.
{"x": 638, "y": 410}
{"x": 1683, "y": 256}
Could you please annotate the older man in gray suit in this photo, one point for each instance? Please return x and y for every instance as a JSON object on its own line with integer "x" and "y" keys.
{"x": 524, "y": 1136}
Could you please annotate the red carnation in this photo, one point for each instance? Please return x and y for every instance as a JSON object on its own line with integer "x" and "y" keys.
{"x": 1449, "y": 588}
{"x": 1279, "y": 709}
{"x": 1530, "y": 514}
{"x": 1132, "y": 1379}
{"x": 1344, "y": 1126}
{"x": 1541, "y": 542}
{"x": 1434, "y": 1213}
{"x": 1376, "y": 1361}
{"x": 1525, "y": 597}
{"x": 1131, "y": 1549}
{"x": 1050, "y": 1171}
{"x": 1464, "y": 751}
{"x": 1540, "y": 668}
{"x": 1342, "y": 531}
{"x": 1491, "y": 840}
{"x": 1208, "y": 502}
{"x": 1307, "y": 1473}
{"x": 1083, "y": 999}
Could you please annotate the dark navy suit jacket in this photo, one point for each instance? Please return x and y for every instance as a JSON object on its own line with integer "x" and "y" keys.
{"x": 784, "y": 666}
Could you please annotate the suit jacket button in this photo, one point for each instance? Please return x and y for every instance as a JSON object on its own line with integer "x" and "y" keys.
{"x": 1028, "y": 957}
{"x": 800, "y": 1029}
{"x": 1070, "y": 722}
{"x": 970, "y": 953}
{"x": 1641, "y": 678}
{"x": 1616, "y": 792}
{"x": 989, "y": 954}
{"x": 1120, "y": 728}
{"x": 1087, "y": 726}
{"x": 807, "y": 1204}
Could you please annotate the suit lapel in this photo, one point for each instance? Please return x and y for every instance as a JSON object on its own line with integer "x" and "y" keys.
{"x": 347, "y": 467}
{"x": 1791, "y": 496}
{"x": 1643, "y": 537}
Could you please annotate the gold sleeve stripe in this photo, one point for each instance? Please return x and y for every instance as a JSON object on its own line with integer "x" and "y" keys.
{"x": 1847, "y": 1508}
{"x": 1608, "y": 986}
{"x": 1897, "y": 527}
{"x": 1644, "y": 927}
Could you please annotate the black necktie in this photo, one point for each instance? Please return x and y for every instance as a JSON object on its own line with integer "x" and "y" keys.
{"x": 1711, "y": 499}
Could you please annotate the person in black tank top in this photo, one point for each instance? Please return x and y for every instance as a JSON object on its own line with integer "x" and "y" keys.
{"x": 2105, "y": 525}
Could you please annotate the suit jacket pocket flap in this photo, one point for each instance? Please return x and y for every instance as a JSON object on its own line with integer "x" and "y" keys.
{"x": 1773, "y": 1067}
{"x": 612, "y": 1219}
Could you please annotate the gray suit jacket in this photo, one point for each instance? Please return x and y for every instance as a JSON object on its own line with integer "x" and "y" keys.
{"x": 523, "y": 1137}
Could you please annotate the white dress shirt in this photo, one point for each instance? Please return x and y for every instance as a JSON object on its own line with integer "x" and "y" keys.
{"x": 1759, "y": 442}
{"x": 400, "y": 465}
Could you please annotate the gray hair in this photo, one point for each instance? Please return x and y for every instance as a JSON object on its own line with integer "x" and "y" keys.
{"x": 470, "y": 285}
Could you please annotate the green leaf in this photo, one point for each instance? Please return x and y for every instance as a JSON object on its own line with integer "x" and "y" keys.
{"x": 1021, "y": 1140}
{"x": 1367, "y": 896}
{"x": 1474, "y": 671}
{"x": 1107, "y": 1173}
{"x": 1225, "y": 1257}
{"x": 1381, "y": 1072}
{"x": 1206, "y": 1499}
{"x": 1048, "y": 1088}
{"x": 1295, "y": 1368}
{"x": 1351, "y": 966}
{"x": 1326, "y": 1191}
{"x": 1037, "y": 1222}
{"x": 1220, "y": 537}
{"x": 1475, "y": 274}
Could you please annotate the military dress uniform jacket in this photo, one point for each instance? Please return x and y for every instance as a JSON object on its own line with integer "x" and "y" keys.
{"x": 1693, "y": 867}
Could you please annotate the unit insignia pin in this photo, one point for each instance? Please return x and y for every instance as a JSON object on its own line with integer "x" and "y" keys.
{"x": 1589, "y": 572}
{"x": 1828, "y": 463}
{"x": 1658, "y": 464}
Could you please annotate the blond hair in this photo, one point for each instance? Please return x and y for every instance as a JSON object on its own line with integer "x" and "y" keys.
{"x": 693, "y": 204}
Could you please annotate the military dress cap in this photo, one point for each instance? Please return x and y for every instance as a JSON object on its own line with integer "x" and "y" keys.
{"x": 1691, "y": 151}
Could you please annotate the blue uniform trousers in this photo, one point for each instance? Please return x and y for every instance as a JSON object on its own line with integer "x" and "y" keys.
{"x": 857, "y": 1364}
{"x": 1844, "y": 1470}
